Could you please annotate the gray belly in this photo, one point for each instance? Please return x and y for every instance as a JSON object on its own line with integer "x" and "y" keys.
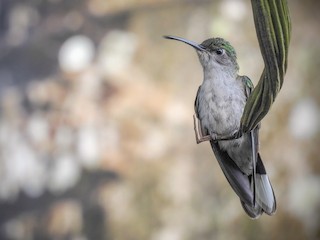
{"x": 221, "y": 115}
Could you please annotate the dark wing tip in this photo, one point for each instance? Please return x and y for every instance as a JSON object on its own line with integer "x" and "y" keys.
{"x": 238, "y": 181}
{"x": 252, "y": 212}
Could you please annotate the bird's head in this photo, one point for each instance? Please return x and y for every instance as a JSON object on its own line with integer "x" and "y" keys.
{"x": 214, "y": 53}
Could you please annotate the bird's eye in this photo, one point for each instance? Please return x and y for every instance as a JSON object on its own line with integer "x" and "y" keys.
{"x": 220, "y": 51}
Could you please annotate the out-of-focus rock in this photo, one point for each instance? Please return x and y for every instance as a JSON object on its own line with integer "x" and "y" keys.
{"x": 76, "y": 54}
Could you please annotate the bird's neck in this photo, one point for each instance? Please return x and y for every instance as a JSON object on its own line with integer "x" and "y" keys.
{"x": 218, "y": 80}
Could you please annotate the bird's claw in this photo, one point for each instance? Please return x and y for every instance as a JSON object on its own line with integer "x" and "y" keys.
{"x": 198, "y": 131}
{"x": 200, "y": 137}
{"x": 218, "y": 137}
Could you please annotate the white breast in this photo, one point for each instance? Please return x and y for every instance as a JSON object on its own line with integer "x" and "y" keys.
{"x": 221, "y": 103}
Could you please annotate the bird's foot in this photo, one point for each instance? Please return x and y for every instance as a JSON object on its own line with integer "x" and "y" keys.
{"x": 200, "y": 137}
{"x": 218, "y": 137}
{"x": 198, "y": 131}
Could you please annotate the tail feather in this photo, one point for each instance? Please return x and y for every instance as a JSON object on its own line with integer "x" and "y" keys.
{"x": 252, "y": 211}
{"x": 264, "y": 199}
{"x": 265, "y": 195}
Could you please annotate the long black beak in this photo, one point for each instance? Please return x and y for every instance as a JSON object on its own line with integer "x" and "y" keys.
{"x": 191, "y": 43}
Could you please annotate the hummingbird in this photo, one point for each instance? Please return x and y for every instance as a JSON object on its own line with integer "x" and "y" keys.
{"x": 219, "y": 106}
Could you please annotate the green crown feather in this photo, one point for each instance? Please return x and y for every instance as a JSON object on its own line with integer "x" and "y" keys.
{"x": 213, "y": 44}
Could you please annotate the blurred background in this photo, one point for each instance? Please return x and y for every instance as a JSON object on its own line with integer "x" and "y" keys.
{"x": 96, "y": 129}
